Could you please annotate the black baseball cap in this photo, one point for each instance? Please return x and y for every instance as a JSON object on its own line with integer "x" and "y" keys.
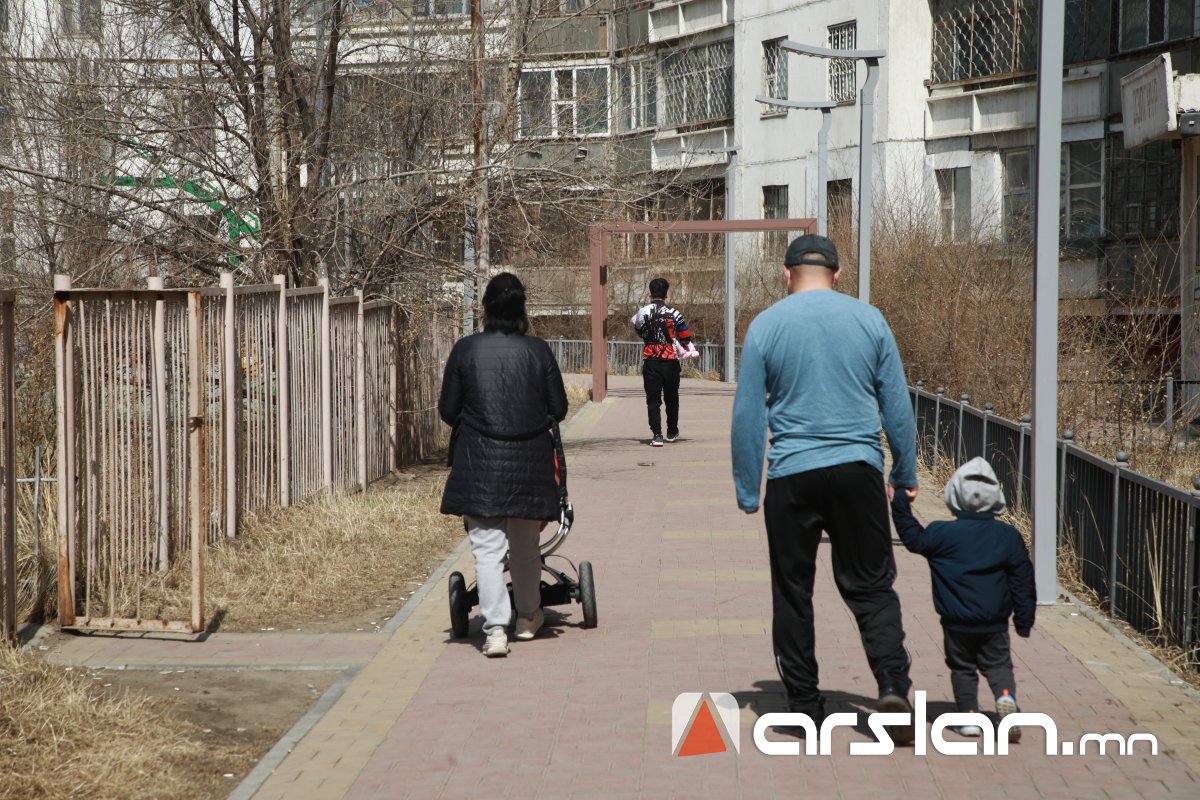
{"x": 811, "y": 243}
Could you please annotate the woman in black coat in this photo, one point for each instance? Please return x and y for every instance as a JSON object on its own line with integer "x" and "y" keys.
{"x": 502, "y": 391}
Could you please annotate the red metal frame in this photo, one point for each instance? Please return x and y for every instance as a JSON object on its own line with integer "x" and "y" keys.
{"x": 598, "y": 246}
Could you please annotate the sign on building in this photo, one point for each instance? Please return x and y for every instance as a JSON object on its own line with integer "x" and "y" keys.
{"x": 1147, "y": 102}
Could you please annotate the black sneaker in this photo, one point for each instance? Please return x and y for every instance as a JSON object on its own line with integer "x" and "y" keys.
{"x": 672, "y": 435}
{"x": 891, "y": 702}
{"x": 657, "y": 441}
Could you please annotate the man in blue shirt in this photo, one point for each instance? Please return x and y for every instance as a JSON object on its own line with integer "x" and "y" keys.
{"x": 822, "y": 370}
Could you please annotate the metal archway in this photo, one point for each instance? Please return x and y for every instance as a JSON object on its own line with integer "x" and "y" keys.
{"x": 598, "y": 247}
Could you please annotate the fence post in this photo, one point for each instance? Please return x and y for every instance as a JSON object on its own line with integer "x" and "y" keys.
{"x": 326, "y": 391}
{"x": 1122, "y": 462}
{"x": 196, "y": 461}
{"x": 229, "y": 390}
{"x": 917, "y": 397}
{"x": 283, "y": 379}
{"x": 1025, "y": 423}
{"x": 1189, "y": 605}
{"x": 160, "y": 433}
{"x": 1169, "y": 418}
{"x": 1068, "y": 437}
{"x": 964, "y": 400}
{"x": 64, "y": 357}
{"x": 937, "y": 427}
{"x": 360, "y": 393}
{"x": 987, "y": 412}
{"x": 8, "y": 483}
{"x": 394, "y": 386}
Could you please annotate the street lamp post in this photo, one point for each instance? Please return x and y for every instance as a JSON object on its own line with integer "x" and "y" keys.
{"x": 866, "y": 141}
{"x": 826, "y": 108}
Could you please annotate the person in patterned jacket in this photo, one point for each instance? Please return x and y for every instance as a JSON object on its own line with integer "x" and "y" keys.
{"x": 665, "y": 333}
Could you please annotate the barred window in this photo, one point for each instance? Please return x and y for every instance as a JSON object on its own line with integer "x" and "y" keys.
{"x": 775, "y": 206}
{"x": 440, "y": 8}
{"x": 842, "y": 88}
{"x": 1079, "y": 211}
{"x": 954, "y": 195}
{"x": 1142, "y": 195}
{"x": 839, "y": 202}
{"x": 698, "y": 84}
{"x": 1147, "y": 22}
{"x": 637, "y": 96}
{"x": 81, "y": 17}
{"x": 983, "y": 38}
{"x": 774, "y": 71}
{"x": 564, "y": 102}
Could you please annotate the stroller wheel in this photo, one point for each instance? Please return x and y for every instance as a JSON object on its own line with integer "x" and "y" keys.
{"x": 587, "y": 594}
{"x": 459, "y": 606}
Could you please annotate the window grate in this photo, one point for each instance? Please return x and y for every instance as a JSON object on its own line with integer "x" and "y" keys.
{"x": 774, "y": 71}
{"x": 842, "y": 83}
{"x": 983, "y": 38}
{"x": 697, "y": 84}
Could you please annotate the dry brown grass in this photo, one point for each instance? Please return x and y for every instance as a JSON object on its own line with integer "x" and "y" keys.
{"x": 334, "y": 555}
{"x": 62, "y": 736}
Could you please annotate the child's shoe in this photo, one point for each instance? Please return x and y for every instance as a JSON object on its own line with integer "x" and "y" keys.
{"x": 1007, "y": 704}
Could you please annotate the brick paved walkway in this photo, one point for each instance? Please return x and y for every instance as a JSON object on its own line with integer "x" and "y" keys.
{"x": 684, "y": 606}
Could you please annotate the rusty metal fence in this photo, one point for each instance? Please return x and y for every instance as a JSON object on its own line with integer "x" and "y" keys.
{"x": 180, "y": 410}
{"x": 1129, "y": 539}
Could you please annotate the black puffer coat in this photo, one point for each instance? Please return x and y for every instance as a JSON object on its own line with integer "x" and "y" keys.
{"x": 500, "y": 392}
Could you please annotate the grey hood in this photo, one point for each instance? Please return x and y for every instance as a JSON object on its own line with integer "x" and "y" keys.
{"x": 974, "y": 487}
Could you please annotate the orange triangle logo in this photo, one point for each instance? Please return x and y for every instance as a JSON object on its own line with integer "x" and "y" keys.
{"x": 704, "y": 736}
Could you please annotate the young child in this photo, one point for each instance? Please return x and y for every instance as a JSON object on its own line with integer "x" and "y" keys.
{"x": 981, "y": 576}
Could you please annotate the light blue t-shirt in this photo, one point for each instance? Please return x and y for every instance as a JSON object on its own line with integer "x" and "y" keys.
{"x": 822, "y": 370}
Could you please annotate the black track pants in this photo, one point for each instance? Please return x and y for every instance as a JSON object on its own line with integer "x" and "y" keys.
{"x": 661, "y": 379}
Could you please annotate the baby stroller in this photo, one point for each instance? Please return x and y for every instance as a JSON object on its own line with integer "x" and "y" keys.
{"x": 558, "y": 587}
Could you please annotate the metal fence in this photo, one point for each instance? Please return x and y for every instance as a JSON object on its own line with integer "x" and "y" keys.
{"x": 1128, "y": 538}
{"x": 625, "y": 358}
{"x": 180, "y": 410}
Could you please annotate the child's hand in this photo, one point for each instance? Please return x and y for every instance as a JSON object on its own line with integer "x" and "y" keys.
{"x": 1024, "y": 634}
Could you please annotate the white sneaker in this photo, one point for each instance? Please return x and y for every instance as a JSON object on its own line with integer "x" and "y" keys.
{"x": 1007, "y": 704}
{"x": 496, "y": 645}
{"x": 528, "y": 628}
{"x": 970, "y": 730}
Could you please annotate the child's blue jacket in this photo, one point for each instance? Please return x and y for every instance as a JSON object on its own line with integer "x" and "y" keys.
{"x": 981, "y": 569}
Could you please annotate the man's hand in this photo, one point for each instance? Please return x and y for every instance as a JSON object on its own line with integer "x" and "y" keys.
{"x": 751, "y": 511}
{"x": 909, "y": 492}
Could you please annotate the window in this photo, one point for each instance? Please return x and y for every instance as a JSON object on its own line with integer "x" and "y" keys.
{"x": 698, "y": 84}
{"x": 81, "y": 17}
{"x": 1147, "y": 22}
{"x": 1141, "y": 198}
{"x": 637, "y": 96}
{"x": 775, "y": 73}
{"x": 775, "y": 206}
{"x": 1018, "y": 178}
{"x": 441, "y": 8}
{"x": 842, "y": 86}
{"x": 983, "y": 38}
{"x": 839, "y": 199}
{"x": 564, "y": 102}
{"x": 1079, "y": 212}
{"x": 954, "y": 193}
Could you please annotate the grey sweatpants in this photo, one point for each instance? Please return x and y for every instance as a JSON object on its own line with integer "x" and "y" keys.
{"x": 491, "y": 538}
